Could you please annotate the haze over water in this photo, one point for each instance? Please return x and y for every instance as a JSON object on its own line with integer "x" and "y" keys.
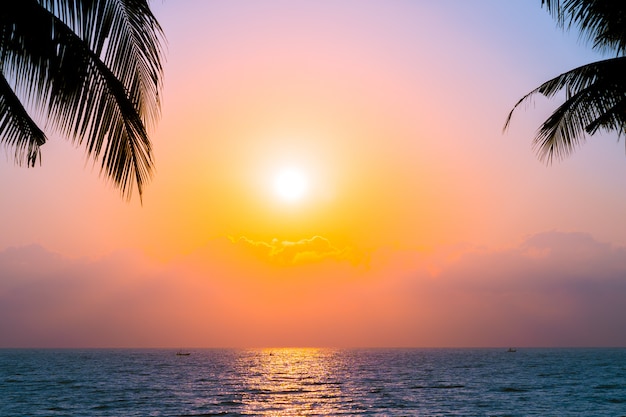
{"x": 314, "y": 382}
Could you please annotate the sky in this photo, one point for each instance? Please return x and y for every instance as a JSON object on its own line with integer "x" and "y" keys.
{"x": 330, "y": 173}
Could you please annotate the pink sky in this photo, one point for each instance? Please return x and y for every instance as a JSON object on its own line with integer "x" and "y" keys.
{"x": 422, "y": 223}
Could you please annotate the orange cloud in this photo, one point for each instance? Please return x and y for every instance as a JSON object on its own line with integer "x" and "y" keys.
{"x": 285, "y": 252}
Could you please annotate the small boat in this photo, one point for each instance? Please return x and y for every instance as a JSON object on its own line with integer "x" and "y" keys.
{"x": 512, "y": 350}
{"x": 181, "y": 353}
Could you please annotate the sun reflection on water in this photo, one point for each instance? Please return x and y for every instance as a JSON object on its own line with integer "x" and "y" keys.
{"x": 292, "y": 382}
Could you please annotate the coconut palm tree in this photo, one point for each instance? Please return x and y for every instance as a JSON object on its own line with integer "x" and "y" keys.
{"x": 595, "y": 94}
{"x": 90, "y": 70}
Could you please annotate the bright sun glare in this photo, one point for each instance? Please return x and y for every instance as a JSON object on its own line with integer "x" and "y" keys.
{"x": 290, "y": 184}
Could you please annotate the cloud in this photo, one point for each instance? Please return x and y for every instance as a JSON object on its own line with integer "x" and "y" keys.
{"x": 284, "y": 252}
{"x": 549, "y": 289}
{"x": 552, "y": 288}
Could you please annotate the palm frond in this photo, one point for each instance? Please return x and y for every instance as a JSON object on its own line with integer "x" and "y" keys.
{"x": 93, "y": 67}
{"x": 583, "y": 113}
{"x": 601, "y": 22}
{"x": 17, "y": 129}
{"x": 101, "y": 113}
{"x": 596, "y": 98}
{"x": 613, "y": 120}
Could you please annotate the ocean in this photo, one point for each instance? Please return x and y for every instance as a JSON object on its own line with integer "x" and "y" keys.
{"x": 313, "y": 382}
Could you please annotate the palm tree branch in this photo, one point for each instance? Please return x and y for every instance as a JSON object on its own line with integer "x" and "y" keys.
{"x": 100, "y": 112}
{"x": 565, "y": 129}
{"x": 600, "y": 21}
{"x": 614, "y": 119}
{"x": 594, "y": 94}
{"x": 575, "y": 80}
{"x": 17, "y": 128}
{"x": 88, "y": 98}
{"x": 135, "y": 58}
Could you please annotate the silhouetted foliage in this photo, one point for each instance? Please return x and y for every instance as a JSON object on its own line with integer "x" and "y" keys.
{"x": 595, "y": 94}
{"x": 92, "y": 70}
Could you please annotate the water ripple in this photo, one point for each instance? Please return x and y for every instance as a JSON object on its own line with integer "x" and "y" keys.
{"x": 313, "y": 382}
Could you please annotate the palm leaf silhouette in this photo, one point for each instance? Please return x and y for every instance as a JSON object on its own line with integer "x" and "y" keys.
{"x": 92, "y": 69}
{"x": 595, "y": 96}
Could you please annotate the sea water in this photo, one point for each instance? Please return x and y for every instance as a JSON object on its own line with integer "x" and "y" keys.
{"x": 313, "y": 382}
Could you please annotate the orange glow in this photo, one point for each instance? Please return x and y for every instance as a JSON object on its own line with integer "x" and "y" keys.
{"x": 329, "y": 173}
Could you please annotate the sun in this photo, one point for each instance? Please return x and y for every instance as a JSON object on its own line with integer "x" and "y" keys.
{"x": 290, "y": 184}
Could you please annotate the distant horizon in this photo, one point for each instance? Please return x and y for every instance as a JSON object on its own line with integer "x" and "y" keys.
{"x": 192, "y": 349}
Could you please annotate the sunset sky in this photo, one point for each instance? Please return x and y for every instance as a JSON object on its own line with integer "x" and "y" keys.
{"x": 330, "y": 173}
